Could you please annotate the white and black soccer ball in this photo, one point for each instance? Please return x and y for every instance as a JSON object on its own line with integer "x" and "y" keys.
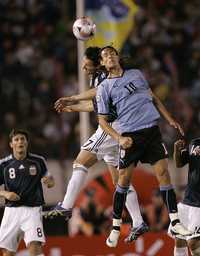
{"x": 84, "y": 28}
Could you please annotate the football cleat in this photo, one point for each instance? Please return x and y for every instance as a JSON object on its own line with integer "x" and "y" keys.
{"x": 57, "y": 211}
{"x": 136, "y": 232}
{"x": 179, "y": 229}
{"x": 113, "y": 238}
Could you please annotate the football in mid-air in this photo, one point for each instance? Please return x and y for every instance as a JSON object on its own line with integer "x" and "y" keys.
{"x": 84, "y": 28}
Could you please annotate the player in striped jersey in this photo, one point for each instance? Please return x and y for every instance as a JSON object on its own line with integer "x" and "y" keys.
{"x": 99, "y": 146}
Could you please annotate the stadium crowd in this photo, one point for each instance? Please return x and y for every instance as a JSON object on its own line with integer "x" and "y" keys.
{"x": 38, "y": 65}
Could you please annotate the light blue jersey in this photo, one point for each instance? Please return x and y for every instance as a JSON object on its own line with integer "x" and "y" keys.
{"x": 129, "y": 96}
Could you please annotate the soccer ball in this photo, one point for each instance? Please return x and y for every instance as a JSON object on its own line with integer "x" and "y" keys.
{"x": 84, "y": 28}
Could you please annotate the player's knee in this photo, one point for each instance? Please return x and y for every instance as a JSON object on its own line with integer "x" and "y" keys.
{"x": 196, "y": 252}
{"x": 194, "y": 247}
{"x": 180, "y": 243}
{"x": 79, "y": 166}
{"x": 7, "y": 253}
{"x": 162, "y": 174}
{"x": 114, "y": 179}
{"x": 35, "y": 248}
{"x": 124, "y": 179}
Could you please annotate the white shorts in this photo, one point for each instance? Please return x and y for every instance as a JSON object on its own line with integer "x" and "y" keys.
{"x": 190, "y": 217}
{"x": 104, "y": 146}
{"x": 21, "y": 223}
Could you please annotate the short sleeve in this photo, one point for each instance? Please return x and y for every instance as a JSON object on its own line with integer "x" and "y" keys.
{"x": 103, "y": 99}
{"x": 144, "y": 80}
{"x": 44, "y": 170}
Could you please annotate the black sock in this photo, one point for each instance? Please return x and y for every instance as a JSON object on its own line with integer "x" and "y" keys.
{"x": 118, "y": 203}
{"x": 169, "y": 198}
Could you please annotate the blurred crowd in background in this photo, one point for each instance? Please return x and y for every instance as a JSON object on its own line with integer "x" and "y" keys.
{"x": 38, "y": 64}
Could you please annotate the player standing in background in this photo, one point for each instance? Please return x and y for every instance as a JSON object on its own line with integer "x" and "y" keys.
{"x": 99, "y": 146}
{"x": 189, "y": 209}
{"x": 138, "y": 135}
{"x": 22, "y": 173}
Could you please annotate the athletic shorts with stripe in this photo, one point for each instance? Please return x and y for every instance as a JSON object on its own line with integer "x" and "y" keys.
{"x": 147, "y": 147}
{"x": 21, "y": 223}
{"x": 103, "y": 146}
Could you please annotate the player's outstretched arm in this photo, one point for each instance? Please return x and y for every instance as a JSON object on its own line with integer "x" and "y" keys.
{"x": 85, "y": 106}
{"x": 179, "y": 145}
{"x": 68, "y": 100}
{"x": 165, "y": 113}
{"x": 124, "y": 142}
{"x": 87, "y": 95}
{"x": 48, "y": 181}
{"x": 11, "y": 196}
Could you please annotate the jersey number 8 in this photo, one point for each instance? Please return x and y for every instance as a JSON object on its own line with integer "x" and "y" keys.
{"x": 12, "y": 174}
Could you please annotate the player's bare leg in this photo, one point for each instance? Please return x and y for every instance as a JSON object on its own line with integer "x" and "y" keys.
{"x": 169, "y": 196}
{"x": 35, "y": 248}
{"x": 7, "y": 253}
{"x": 194, "y": 245}
{"x": 180, "y": 248}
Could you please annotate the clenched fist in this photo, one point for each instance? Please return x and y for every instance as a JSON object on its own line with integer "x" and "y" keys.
{"x": 125, "y": 142}
{"x": 179, "y": 144}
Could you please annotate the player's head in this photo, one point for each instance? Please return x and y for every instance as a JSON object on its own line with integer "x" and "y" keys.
{"x": 109, "y": 57}
{"x": 19, "y": 141}
{"x": 91, "y": 60}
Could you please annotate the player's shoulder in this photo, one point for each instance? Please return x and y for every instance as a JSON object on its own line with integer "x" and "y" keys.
{"x": 6, "y": 159}
{"x": 134, "y": 71}
{"x": 101, "y": 75}
{"x": 104, "y": 83}
{"x": 97, "y": 78}
{"x": 36, "y": 157}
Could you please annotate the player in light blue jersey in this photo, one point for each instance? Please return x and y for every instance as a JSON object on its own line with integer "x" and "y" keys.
{"x": 127, "y": 92}
{"x": 99, "y": 146}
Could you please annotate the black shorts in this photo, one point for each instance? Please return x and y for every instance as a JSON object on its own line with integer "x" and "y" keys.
{"x": 147, "y": 148}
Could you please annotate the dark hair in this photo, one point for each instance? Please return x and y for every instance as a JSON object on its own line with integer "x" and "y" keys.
{"x": 15, "y": 132}
{"x": 108, "y": 47}
{"x": 121, "y": 59}
{"x": 92, "y": 53}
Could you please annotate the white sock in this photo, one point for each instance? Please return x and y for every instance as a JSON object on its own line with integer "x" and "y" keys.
{"x": 133, "y": 207}
{"x": 75, "y": 185}
{"x": 182, "y": 251}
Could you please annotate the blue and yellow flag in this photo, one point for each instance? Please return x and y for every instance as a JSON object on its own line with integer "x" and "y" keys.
{"x": 114, "y": 20}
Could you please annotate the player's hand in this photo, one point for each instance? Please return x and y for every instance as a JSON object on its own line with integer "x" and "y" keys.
{"x": 179, "y": 145}
{"x": 125, "y": 142}
{"x": 11, "y": 196}
{"x": 67, "y": 109}
{"x": 177, "y": 126}
{"x": 48, "y": 181}
{"x": 62, "y": 103}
